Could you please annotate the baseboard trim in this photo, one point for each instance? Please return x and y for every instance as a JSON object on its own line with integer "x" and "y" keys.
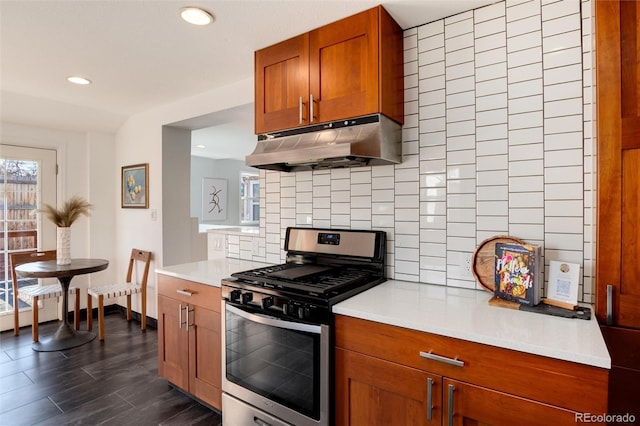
{"x": 114, "y": 309}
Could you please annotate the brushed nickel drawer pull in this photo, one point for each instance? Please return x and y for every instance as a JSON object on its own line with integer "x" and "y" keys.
{"x": 446, "y": 360}
{"x": 184, "y": 293}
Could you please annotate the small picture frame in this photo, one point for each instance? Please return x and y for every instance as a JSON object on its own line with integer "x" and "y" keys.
{"x": 135, "y": 186}
{"x": 214, "y": 199}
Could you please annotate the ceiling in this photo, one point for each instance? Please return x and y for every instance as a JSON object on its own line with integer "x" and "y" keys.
{"x": 140, "y": 55}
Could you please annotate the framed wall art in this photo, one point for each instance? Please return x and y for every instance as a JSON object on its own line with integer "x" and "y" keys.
{"x": 214, "y": 199}
{"x": 135, "y": 186}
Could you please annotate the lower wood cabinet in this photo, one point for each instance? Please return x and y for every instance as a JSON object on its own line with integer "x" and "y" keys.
{"x": 382, "y": 379}
{"x": 189, "y": 342}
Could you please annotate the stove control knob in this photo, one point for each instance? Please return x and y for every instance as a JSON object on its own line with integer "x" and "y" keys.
{"x": 301, "y": 312}
{"x": 234, "y": 295}
{"x": 246, "y": 298}
{"x": 285, "y": 308}
{"x": 267, "y": 302}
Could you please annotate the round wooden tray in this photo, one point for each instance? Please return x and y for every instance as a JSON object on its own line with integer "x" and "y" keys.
{"x": 483, "y": 260}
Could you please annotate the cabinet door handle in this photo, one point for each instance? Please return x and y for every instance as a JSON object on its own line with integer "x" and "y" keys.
{"x": 609, "y": 304}
{"x": 184, "y": 293}
{"x": 300, "y": 103}
{"x": 429, "y": 399}
{"x": 447, "y": 360}
{"x": 311, "y": 117}
{"x": 187, "y": 310}
{"x": 450, "y": 413}
{"x": 180, "y": 316}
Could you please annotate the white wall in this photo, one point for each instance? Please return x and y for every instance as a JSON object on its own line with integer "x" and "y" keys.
{"x": 85, "y": 163}
{"x": 218, "y": 168}
{"x": 139, "y": 140}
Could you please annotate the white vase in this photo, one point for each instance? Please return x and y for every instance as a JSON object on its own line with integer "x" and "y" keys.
{"x": 63, "y": 246}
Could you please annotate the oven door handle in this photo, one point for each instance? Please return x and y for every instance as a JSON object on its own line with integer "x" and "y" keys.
{"x": 272, "y": 321}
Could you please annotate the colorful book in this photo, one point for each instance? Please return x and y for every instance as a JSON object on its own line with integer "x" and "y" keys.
{"x": 518, "y": 276}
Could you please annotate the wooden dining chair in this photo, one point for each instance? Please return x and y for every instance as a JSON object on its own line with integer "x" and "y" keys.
{"x": 138, "y": 258}
{"x": 33, "y": 293}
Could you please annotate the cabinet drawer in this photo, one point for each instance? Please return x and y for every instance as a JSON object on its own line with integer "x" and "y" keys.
{"x": 202, "y": 295}
{"x": 561, "y": 383}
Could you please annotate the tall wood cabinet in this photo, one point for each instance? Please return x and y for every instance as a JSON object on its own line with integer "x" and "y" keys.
{"x": 349, "y": 68}
{"x": 392, "y": 375}
{"x": 189, "y": 344}
{"x": 618, "y": 224}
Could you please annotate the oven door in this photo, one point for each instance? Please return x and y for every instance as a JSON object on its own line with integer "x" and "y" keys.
{"x": 277, "y": 365}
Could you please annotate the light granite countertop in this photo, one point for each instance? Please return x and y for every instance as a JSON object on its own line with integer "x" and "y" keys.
{"x": 466, "y": 314}
{"x": 209, "y": 272}
{"x": 459, "y": 313}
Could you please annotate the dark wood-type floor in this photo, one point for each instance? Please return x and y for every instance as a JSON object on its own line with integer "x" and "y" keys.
{"x": 114, "y": 382}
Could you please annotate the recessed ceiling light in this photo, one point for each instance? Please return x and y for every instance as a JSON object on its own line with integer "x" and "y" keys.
{"x": 200, "y": 146}
{"x": 78, "y": 80}
{"x": 196, "y": 16}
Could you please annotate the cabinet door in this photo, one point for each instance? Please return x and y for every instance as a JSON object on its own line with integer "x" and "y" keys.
{"x": 370, "y": 391}
{"x": 343, "y": 67}
{"x": 205, "y": 379}
{"x": 466, "y": 404}
{"x": 282, "y": 85}
{"x": 173, "y": 342}
{"x": 618, "y": 91}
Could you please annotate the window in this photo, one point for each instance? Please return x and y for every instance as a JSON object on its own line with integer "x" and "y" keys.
{"x": 249, "y": 198}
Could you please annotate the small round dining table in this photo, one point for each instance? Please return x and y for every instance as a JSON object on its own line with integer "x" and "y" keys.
{"x": 66, "y": 337}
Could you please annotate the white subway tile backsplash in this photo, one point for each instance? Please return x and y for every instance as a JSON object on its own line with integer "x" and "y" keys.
{"x": 460, "y": 99}
{"x": 461, "y": 114}
{"x": 489, "y": 42}
{"x": 563, "y": 208}
{"x": 433, "y": 194}
{"x": 526, "y": 199}
{"x": 560, "y": 158}
{"x": 523, "y": 41}
{"x": 430, "y": 29}
{"x": 526, "y": 104}
{"x": 491, "y": 87}
{"x": 464, "y": 84}
{"x": 532, "y": 151}
{"x": 570, "y": 225}
{"x": 491, "y": 147}
{"x": 563, "y": 191}
{"x": 525, "y": 120}
{"x": 525, "y": 72}
{"x": 527, "y": 232}
{"x": 558, "y": 58}
{"x": 563, "y": 74}
{"x": 496, "y": 116}
{"x": 522, "y": 10}
{"x": 459, "y": 56}
{"x": 524, "y": 26}
{"x": 491, "y": 71}
{"x": 566, "y": 124}
{"x": 491, "y": 102}
{"x": 461, "y": 186}
{"x": 459, "y": 42}
{"x": 527, "y": 215}
{"x": 525, "y": 89}
{"x": 493, "y": 132}
{"x": 526, "y": 184}
{"x": 461, "y": 215}
{"x": 492, "y": 56}
{"x": 492, "y": 193}
{"x": 524, "y": 57}
{"x": 489, "y": 12}
{"x": 526, "y": 136}
{"x": 432, "y": 97}
{"x": 561, "y": 25}
{"x": 564, "y": 174}
{"x": 562, "y": 107}
{"x": 494, "y": 162}
{"x": 464, "y": 142}
{"x": 461, "y": 201}
{"x": 493, "y": 26}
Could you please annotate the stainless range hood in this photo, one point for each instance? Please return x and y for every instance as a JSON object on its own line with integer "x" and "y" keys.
{"x": 363, "y": 141}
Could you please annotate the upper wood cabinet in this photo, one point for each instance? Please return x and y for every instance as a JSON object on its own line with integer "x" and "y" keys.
{"x": 346, "y": 69}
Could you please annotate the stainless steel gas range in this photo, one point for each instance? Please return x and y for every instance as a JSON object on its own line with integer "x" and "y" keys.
{"x": 277, "y": 326}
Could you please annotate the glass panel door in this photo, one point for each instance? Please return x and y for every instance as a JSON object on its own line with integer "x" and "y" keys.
{"x": 27, "y": 179}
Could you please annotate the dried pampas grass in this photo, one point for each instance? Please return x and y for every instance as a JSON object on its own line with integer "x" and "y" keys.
{"x": 72, "y": 209}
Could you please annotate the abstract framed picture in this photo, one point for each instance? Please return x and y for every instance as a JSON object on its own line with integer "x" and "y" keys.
{"x": 135, "y": 186}
{"x": 214, "y": 199}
